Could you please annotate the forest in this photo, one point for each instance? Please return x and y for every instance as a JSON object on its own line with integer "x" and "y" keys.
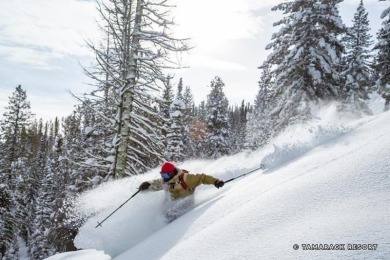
{"x": 135, "y": 118}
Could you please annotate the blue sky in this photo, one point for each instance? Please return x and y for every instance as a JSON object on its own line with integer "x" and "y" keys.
{"x": 42, "y": 47}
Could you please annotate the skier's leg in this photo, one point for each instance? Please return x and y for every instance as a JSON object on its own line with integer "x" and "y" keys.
{"x": 179, "y": 207}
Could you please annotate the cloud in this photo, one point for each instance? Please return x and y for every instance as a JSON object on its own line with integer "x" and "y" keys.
{"x": 33, "y": 32}
{"x": 202, "y": 61}
{"x": 36, "y": 58}
{"x": 211, "y": 23}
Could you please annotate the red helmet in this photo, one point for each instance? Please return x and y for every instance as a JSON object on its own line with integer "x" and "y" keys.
{"x": 167, "y": 167}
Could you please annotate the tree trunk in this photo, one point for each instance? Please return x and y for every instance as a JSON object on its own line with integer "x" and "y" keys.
{"x": 129, "y": 76}
{"x": 387, "y": 104}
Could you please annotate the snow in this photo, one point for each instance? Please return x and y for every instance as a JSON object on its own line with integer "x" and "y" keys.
{"x": 89, "y": 254}
{"x": 88, "y": 130}
{"x": 23, "y": 249}
{"x": 376, "y": 103}
{"x": 333, "y": 189}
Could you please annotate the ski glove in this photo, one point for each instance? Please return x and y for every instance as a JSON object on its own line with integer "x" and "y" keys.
{"x": 218, "y": 184}
{"x": 144, "y": 186}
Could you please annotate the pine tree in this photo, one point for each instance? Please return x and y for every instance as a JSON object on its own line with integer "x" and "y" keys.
{"x": 13, "y": 168}
{"x": 382, "y": 61}
{"x": 260, "y": 125}
{"x": 165, "y": 105}
{"x": 80, "y": 172}
{"x": 244, "y": 115}
{"x": 40, "y": 246}
{"x": 8, "y": 224}
{"x": 16, "y": 117}
{"x": 305, "y": 57}
{"x": 188, "y": 99}
{"x": 238, "y": 122}
{"x": 358, "y": 71}
{"x": 30, "y": 173}
{"x": 218, "y": 142}
{"x": 188, "y": 117}
{"x": 60, "y": 234}
{"x": 175, "y": 146}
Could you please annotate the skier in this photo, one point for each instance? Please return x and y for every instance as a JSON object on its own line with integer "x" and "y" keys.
{"x": 181, "y": 186}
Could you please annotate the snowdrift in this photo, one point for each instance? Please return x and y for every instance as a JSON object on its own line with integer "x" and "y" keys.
{"x": 331, "y": 187}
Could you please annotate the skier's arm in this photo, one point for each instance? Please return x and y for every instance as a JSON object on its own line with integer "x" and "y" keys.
{"x": 194, "y": 180}
{"x": 154, "y": 185}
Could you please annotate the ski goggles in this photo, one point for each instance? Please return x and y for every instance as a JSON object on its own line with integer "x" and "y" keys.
{"x": 166, "y": 175}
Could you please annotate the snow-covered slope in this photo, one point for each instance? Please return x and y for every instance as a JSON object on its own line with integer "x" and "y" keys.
{"x": 331, "y": 185}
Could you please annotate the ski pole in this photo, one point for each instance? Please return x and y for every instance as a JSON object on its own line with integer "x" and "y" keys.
{"x": 100, "y": 224}
{"x": 239, "y": 176}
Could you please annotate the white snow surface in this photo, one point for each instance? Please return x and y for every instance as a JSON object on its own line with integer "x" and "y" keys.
{"x": 332, "y": 187}
{"x": 89, "y": 254}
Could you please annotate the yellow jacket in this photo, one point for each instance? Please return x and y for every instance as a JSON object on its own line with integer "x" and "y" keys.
{"x": 183, "y": 184}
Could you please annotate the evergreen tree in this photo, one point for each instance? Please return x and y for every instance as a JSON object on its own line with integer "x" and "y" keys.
{"x": 95, "y": 136}
{"x": 16, "y": 117}
{"x": 60, "y": 234}
{"x": 80, "y": 172}
{"x": 8, "y": 225}
{"x": 382, "y": 61}
{"x": 165, "y": 105}
{"x": 201, "y": 112}
{"x": 12, "y": 170}
{"x": 358, "y": 71}
{"x": 306, "y": 54}
{"x": 28, "y": 172}
{"x": 188, "y": 116}
{"x": 40, "y": 247}
{"x": 259, "y": 126}
{"x": 218, "y": 142}
{"x": 31, "y": 174}
{"x": 188, "y": 100}
{"x": 175, "y": 146}
{"x": 238, "y": 122}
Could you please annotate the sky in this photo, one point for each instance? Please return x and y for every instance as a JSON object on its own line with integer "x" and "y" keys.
{"x": 43, "y": 47}
{"x": 327, "y": 184}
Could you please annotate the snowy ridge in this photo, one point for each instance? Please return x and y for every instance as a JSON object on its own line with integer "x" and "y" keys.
{"x": 331, "y": 186}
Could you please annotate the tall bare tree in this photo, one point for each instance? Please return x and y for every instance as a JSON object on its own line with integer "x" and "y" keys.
{"x": 129, "y": 75}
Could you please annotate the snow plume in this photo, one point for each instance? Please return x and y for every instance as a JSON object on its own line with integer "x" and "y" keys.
{"x": 299, "y": 139}
{"x": 145, "y": 213}
{"x": 141, "y": 216}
